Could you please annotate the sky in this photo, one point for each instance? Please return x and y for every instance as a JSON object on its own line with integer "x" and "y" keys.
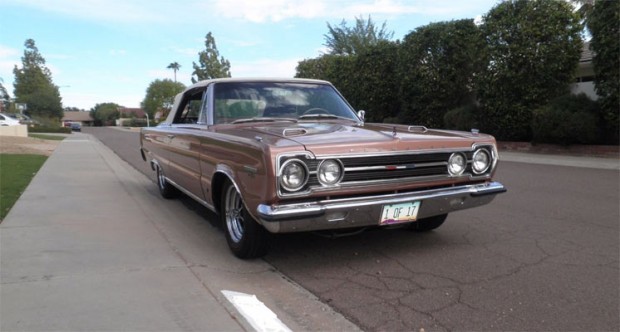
{"x": 111, "y": 50}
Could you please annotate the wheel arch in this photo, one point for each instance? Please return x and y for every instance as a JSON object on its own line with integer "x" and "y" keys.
{"x": 222, "y": 175}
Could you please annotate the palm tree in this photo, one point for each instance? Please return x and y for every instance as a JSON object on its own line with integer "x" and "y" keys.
{"x": 174, "y": 66}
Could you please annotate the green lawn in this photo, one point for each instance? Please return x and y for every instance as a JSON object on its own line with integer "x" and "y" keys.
{"x": 16, "y": 171}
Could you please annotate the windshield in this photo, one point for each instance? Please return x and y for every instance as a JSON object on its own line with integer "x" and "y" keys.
{"x": 264, "y": 101}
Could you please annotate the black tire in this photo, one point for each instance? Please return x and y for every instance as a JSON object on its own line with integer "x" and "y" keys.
{"x": 428, "y": 224}
{"x": 166, "y": 190}
{"x": 246, "y": 238}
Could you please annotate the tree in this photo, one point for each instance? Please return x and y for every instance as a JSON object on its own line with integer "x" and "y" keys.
{"x": 5, "y": 98}
{"x": 73, "y": 109}
{"x": 210, "y": 63}
{"x": 160, "y": 95}
{"x": 33, "y": 85}
{"x": 368, "y": 80}
{"x": 605, "y": 44}
{"x": 439, "y": 62}
{"x": 104, "y": 114}
{"x": 534, "y": 48}
{"x": 344, "y": 40}
{"x": 175, "y": 66}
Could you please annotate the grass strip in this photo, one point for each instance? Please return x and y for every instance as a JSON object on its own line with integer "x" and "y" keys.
{"x": 47, "y": 137}
{"x": 16, "y": 172}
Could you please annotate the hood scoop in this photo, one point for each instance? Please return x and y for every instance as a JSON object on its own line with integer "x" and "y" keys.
{"x": 417, "y": 129}
{"x": 291, "y": 132}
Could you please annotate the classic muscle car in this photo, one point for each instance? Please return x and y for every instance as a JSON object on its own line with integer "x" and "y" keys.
{"x": 291, "y": 155}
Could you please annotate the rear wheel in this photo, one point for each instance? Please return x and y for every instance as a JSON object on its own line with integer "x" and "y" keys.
{"x": 246, "y": 238}
{"x": 165, "y": 188}
{"x": 428, "y": 224}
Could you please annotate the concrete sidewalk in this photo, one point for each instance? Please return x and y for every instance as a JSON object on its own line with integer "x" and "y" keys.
{"x": 91, "y": 246}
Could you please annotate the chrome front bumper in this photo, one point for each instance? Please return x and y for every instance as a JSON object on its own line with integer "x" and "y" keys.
{"x": 366, "y": 211}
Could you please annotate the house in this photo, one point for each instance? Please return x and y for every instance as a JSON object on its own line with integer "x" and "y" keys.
{"x": 82, "y": 118}
{"x": 127, "y": 114}
{"x": 584, "y": 80}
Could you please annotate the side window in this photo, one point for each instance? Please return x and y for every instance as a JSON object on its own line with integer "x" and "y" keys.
{"x": 189, "y": 109}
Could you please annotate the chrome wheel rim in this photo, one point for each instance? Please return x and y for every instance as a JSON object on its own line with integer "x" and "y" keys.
{"x": 233, "y": 209}
{"x": 161, "y": 179}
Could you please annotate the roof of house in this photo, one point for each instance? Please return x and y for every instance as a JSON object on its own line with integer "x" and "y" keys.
{"x": 127, "y": 111}
{"x": 77, "y": 116}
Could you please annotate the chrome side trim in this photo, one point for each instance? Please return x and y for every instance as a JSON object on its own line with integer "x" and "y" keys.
{"x": 192, "y": 196}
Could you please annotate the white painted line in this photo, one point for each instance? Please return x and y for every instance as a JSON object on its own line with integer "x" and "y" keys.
{"x": 256, "y": 312}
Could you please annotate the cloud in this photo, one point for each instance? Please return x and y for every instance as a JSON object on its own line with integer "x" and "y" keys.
{"x": 266, "y": 11}
{"x": 9, "y": 58}
{"x": 269, "y": 10}
{"x": 103, "y": 10}
{"x": 117, "y": 52}
{"x": 265, "y": 68}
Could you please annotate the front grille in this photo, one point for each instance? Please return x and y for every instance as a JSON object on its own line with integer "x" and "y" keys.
{"x": 362, "y": 170}
{"x": 393, "y": 174}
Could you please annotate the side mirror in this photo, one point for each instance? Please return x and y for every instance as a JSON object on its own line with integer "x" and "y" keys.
{"x": 361, "y": 114}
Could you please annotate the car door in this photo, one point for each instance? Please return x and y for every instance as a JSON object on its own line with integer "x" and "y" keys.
{"x": 184, "y": 144}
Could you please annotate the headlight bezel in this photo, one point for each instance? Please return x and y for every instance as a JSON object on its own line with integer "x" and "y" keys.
{"x": 452, "y": 162}
{"x": 321, "y": 175}
{"x": 284, "y": 180}
{"x": 489, "y": 161}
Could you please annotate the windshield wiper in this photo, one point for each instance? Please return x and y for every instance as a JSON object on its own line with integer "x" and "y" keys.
{"x": 263, "y": 120}
{"x": 324, "y": 116}
{"x": 319, "y": 116}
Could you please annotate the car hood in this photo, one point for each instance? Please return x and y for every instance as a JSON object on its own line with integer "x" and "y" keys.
{"x": 329, "y": 138}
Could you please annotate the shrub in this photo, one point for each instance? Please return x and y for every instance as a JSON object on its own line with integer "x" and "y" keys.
{"x": 567, "y": 120}
{"x": 134, "y": 122}
{"x": 462, "y": 118}
{"x": 49, "y": 129}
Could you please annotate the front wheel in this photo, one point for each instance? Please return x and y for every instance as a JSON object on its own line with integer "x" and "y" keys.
{"x": 428, "y": 224}
{"x": 165, "y": 188}
{"x": 246, "y": 238}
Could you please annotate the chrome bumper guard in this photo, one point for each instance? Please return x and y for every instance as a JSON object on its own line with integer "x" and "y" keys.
{"x": 366, "y": 211}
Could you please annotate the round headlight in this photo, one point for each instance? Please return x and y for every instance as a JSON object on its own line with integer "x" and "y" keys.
{"x": 481, "y": 161}
{"x": 457, "y": 164}
{"x": 293, "y": 175}
{"x": 330, "y": 172}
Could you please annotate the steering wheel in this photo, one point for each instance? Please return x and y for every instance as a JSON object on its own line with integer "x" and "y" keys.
{"x": 316, "y": 110}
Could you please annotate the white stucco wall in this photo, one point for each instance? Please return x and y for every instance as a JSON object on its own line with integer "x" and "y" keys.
{"x": 20, "y": 130}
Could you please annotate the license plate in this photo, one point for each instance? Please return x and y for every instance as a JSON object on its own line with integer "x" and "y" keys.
{"x": 399, "y": 213}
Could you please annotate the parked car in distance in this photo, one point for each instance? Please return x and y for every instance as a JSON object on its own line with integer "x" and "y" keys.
{"x": 6, "y": 120}
{"x": 291, "y": 155}
{"x": 23, "y": 119}
{"x": 76, "y": 126}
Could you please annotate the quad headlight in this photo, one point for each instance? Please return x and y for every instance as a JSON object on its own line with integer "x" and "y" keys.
{"x": 330, "y": 172}
{"x": 481, "y": 161}
{"x": 457, "y": 164}
{"x": 293, "y": 175}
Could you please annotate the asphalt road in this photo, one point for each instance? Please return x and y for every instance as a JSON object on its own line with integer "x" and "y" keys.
{"x": 544, "y": 256}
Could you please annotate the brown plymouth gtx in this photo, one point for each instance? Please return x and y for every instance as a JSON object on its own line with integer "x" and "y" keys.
{"x": 291, "y": 155}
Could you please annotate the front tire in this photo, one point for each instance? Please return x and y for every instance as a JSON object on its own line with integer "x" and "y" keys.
{"x": 428, "y": 224}
{"x": 166, "y": 190}
{"x": 246, "y": 238}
